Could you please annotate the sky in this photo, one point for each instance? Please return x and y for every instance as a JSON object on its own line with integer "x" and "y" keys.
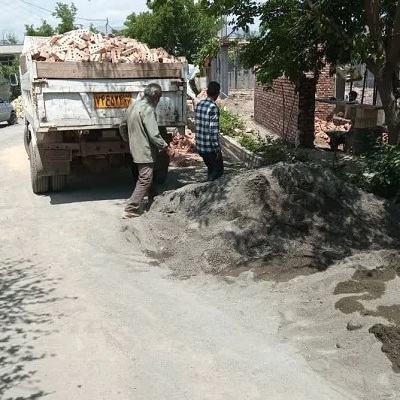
{"x": 18, "y": 13}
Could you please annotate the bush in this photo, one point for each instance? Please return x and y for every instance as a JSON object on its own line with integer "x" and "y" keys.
{"x": 381, "y": 174}
{"x": 230, "y": 124}
{"x": 271, "y": 150}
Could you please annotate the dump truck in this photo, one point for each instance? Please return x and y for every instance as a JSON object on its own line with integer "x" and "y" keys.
{"x": 75, "y": 90}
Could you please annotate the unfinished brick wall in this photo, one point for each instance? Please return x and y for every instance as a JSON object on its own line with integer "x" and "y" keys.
{"x": 289, "y": 114}
{"x": 277, "y": 108}
{"x": 325, "y": 88}
{"x": 306, "y": 112}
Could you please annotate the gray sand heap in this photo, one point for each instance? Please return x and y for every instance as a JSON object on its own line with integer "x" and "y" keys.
{"x": 278, "y": 221}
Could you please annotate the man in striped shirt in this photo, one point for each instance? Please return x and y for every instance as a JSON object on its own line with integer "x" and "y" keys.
{"x": 207, "y": 132}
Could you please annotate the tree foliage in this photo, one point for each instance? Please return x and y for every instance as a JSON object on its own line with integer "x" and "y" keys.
{"x": 179, "y": 26}
{"x": 5, "y": 72}
{"x": 65, "y": 13}
{"x": 301, "y": 36}
{"x": 43, "y": 30}
{"x": 9, "y": 39}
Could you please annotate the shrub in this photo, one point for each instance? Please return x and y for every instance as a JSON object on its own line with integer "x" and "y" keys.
{"x": 381, "y": 173}
{"x": 230, "y": 124}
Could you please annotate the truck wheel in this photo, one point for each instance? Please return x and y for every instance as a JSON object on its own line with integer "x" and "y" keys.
{"x": 40, "y": 184}
{"x": 58, "y": 182}
{"x": 27, "y": 138}
{"x": 13, "y": 119}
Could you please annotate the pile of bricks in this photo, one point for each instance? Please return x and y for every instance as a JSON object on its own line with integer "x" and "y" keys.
{"x": 183, "y": 143}
{"x": 84, "y": 45}
{"x": 322, "y": 126}
{"x": 17, "y": 103}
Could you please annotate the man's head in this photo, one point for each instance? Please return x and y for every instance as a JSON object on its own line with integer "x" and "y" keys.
{"x": 153, "y": 93}
{"x": 213, "y": 90}
{"x": 353, "y": 95}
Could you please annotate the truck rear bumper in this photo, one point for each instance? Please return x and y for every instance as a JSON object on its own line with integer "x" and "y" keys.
{"x": 53, "y": 152}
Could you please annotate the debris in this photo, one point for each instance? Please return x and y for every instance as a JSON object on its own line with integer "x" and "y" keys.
{"x": 354, "y": 325}
{"x": 17, "y": 103}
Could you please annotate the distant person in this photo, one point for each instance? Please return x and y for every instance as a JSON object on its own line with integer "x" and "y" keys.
{"x": 140, "y": 129}
{"x": 207, "y": 132}
{"x": 353, "y": 96}
{"x": 351, "y": 111}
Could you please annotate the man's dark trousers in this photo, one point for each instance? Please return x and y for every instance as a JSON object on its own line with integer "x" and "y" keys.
{"x": 215, "y": 165}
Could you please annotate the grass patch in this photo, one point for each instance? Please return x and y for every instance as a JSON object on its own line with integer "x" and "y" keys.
{"x": 271, "y": 150}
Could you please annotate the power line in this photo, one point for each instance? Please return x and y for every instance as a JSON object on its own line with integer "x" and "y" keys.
{"x": 34, "y": 5}
{"x": 52, "y": 12}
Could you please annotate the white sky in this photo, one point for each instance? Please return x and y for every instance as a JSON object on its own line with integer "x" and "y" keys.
{"x": 15, "y": 14}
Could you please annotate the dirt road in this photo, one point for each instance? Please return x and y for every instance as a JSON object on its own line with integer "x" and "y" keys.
{"x": 85, "y": 315}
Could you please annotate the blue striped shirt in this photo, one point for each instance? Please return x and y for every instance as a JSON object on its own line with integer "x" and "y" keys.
{"x": 207, "y": 127}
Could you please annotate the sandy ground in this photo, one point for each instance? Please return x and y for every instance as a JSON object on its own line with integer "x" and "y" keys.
{"x": 86, "y": 314}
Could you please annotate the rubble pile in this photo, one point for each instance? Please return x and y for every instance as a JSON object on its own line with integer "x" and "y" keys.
{"x": 17, "y": 103}
{"x": 183, "y": 143}
{"x": 322, "y": 126}
{"x": 84, "y": 45}
{"x": 183, "y": 150}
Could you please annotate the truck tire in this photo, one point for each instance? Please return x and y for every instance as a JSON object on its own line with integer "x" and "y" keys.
{"x": 13, "y": 118}
{"x": 40, "y": 184}
{"x": 27, "y": 138}
{"x": 58, "y": 182}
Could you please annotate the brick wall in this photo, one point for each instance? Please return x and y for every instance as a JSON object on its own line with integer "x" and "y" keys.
{"x": 277, "y": 108}
{"x": 289, "y": 114}
{"x": 325, "y": 88}
{"x": 306, "y": 112}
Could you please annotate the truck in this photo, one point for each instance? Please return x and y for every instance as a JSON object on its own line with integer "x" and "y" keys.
{"x": 73, "y": 110}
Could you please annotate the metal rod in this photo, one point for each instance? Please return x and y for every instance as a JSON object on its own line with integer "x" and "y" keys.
{"x": 364, "y": 83}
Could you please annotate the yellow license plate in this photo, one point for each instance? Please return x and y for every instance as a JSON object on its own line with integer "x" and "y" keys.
{"x": 112, "y": 100}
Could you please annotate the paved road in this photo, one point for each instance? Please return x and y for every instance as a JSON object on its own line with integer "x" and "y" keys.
{"x": 85, "y": 315}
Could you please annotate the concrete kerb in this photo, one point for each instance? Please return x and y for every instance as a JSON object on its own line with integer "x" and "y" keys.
{"x": 238, "y": 153}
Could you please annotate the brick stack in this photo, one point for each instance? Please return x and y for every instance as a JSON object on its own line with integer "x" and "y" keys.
{"x": 322, "y": 126}
{"x": 83, "y": 45}
{"x": 17, "y": 103}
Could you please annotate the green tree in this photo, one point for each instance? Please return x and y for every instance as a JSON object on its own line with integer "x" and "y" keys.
{"x": 300, "y": 36}
{"x": 6, "y": 71}
{"x": 43, "y": 30}
{"x": 67, "y": 15}
{"x": 179, "y": 26}
{"x": 9, "y": 39}
{"x": 93, "y": 29}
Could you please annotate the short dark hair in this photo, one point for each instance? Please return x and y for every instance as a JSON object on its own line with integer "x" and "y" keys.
{"x": 213, "y": 89}
{"x": 353, "y": 93}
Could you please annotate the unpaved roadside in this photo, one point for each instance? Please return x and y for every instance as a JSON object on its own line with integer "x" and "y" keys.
{"x": 86, "y": 315}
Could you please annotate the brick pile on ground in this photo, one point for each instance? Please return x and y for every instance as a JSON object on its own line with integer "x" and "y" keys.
{"x": 17, "y": 103}
{"x": 322, "y": 126}
{"x": 183, "y": 150}
{"x": 84, "y": 45}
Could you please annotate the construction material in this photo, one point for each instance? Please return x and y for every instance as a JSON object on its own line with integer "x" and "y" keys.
{"x": 17, "y": 103}
{"x": 85, "y": 46}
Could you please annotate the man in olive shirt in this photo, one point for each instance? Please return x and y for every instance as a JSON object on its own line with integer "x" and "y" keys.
{"x": 145, "y": 142}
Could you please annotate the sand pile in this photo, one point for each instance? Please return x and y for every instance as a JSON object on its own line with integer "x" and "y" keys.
{"x": 279, "y": 221}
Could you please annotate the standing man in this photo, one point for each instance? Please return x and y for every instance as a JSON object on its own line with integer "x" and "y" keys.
{"x": 140, "y": 129}
{"x": 207, "y": 132}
